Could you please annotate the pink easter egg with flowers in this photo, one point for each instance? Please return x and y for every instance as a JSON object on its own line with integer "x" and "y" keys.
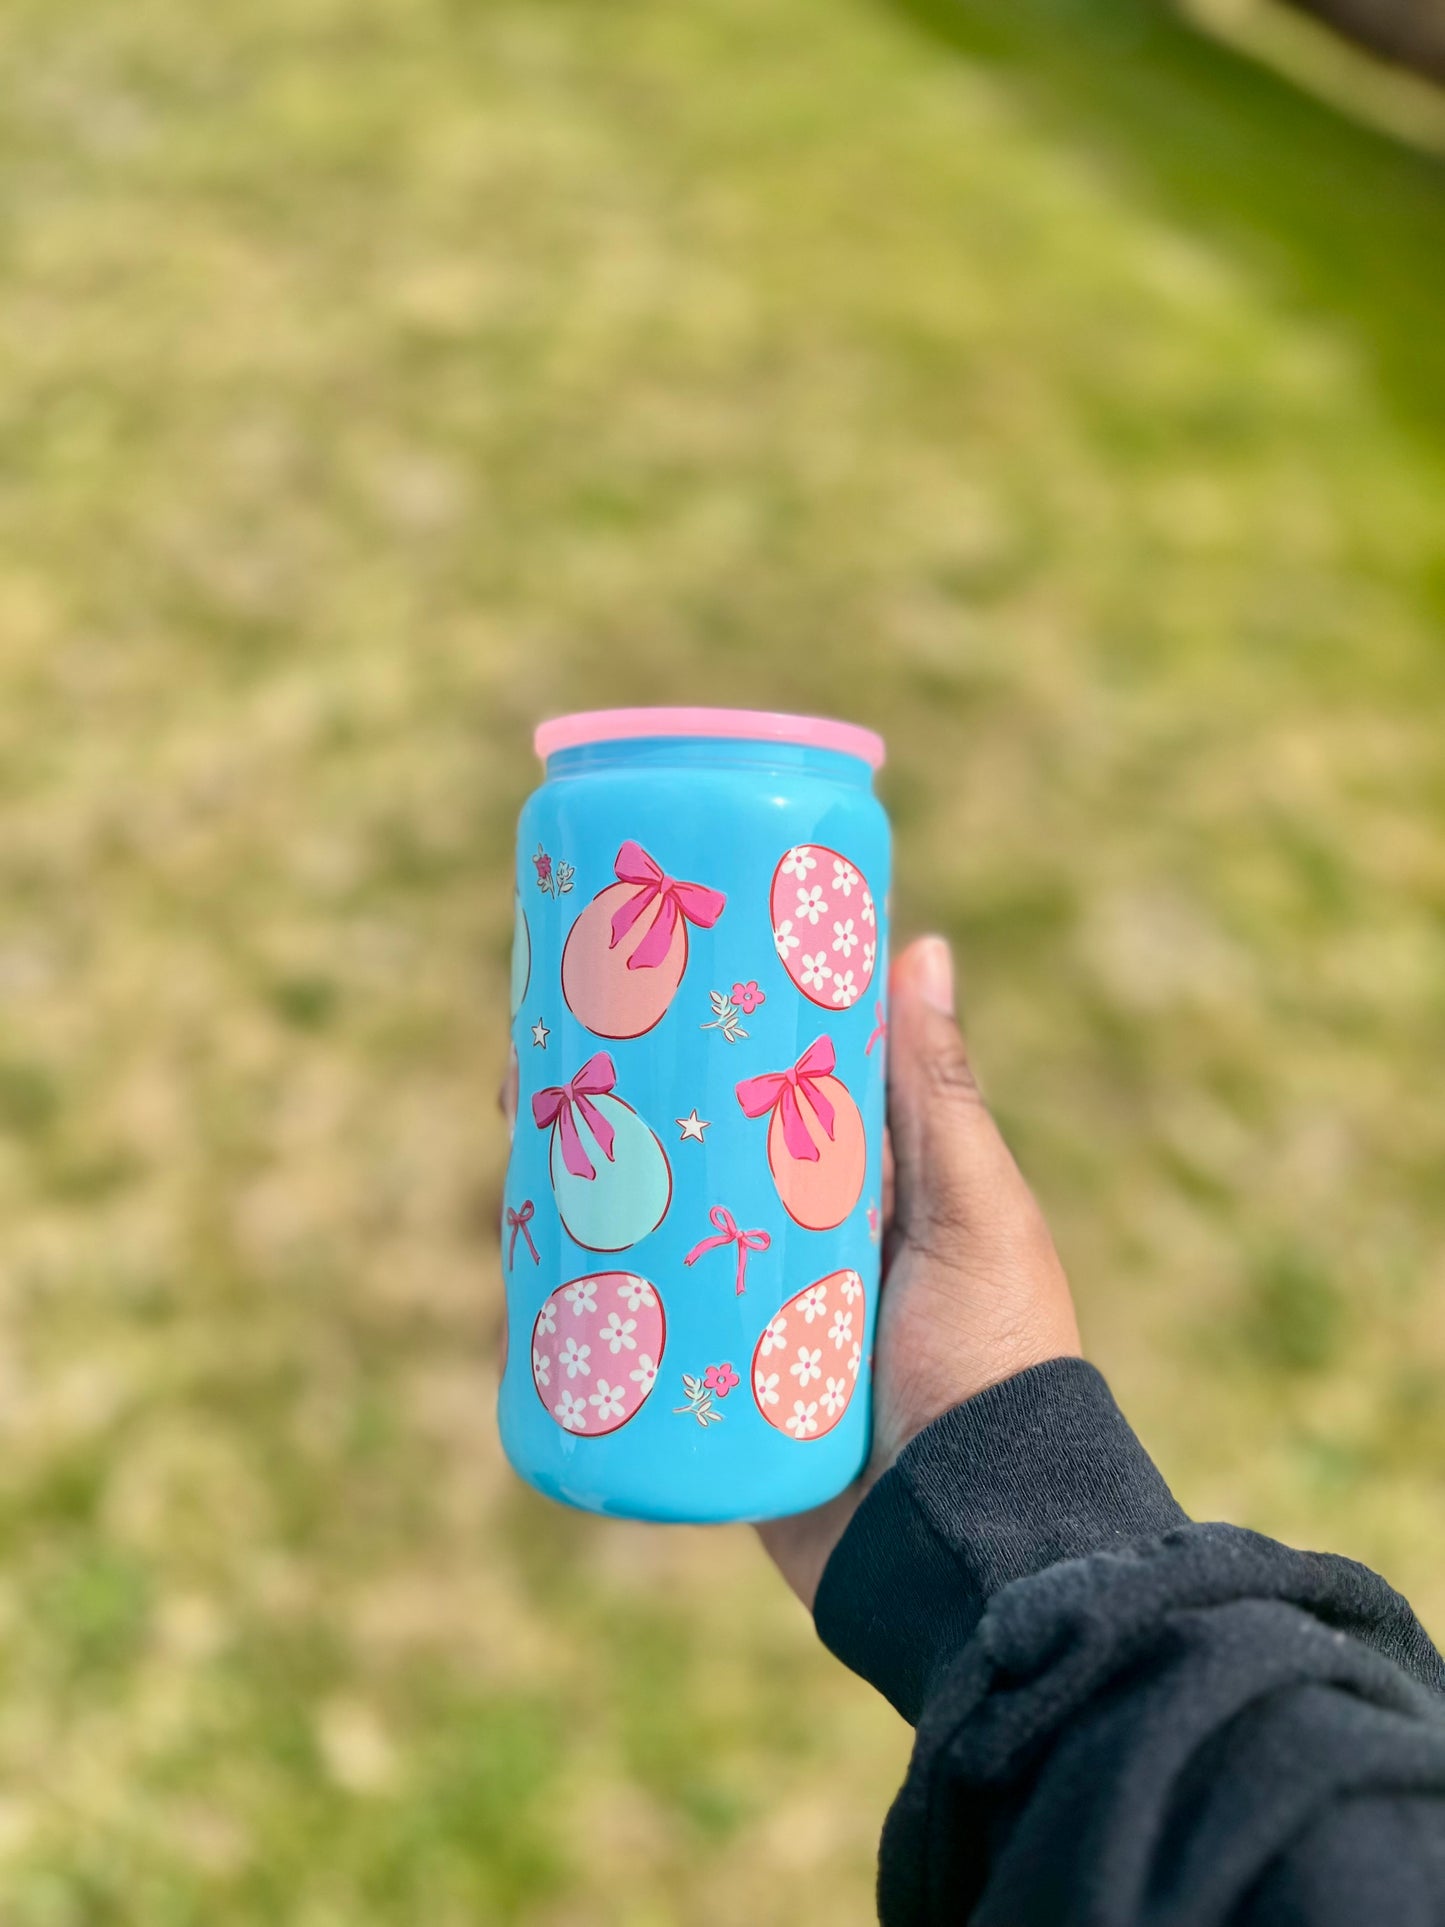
{"x": 597, "y": 1344}
{"x": 626, "y": 953}
{"x": 825, "y": 924}
{"x": 817, "y": 1148}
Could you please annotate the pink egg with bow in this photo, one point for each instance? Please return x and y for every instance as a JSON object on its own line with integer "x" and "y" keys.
{"x": 596, "y": 1347}
{"x": 809, "y": 1355}
{"x": 825, "y": 924}
{"x": 817, "y": 1147}
{"x": 627, "y": 951}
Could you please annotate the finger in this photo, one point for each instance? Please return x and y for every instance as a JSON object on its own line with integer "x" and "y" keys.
{"x": 888, "y": 1230}
{"x": 955, "y": 1179}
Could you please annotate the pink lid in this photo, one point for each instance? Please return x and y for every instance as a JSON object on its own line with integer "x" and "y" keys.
{"x": 753, "y": 725}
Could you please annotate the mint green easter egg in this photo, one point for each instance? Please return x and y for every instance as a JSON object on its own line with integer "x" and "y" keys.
{"x": 631, "y": 1191}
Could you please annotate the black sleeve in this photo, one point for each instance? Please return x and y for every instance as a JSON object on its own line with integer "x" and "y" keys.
{"x": 1124, "y": 1719}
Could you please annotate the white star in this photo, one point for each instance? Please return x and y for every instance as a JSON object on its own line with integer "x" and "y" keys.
{"x": 540, "y": 1034}
{"x": 693, "y": 1126}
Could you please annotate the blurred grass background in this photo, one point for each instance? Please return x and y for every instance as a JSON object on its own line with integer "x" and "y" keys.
{"x": 1058, "y": 392}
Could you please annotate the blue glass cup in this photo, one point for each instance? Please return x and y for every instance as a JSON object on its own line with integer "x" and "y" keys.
{"x": 692, "y": 1218}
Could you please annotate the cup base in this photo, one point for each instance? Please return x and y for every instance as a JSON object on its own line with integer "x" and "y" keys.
{"x": 785, "y": 1495}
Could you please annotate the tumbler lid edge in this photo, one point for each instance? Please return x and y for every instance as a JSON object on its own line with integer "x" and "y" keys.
{"x": 585, "y": 726}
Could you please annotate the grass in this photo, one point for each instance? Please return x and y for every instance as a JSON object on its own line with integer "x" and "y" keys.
{"x": 1062, "y": 394}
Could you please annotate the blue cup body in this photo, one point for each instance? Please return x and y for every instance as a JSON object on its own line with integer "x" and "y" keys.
{"x": 692, "y": 1217}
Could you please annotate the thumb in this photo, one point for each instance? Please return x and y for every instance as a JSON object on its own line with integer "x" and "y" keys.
{"x": 958, "y": 1190}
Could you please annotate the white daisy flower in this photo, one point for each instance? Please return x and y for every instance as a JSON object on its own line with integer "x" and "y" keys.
{"x": 852, "y": 1286}
{"x": 582, "y": 1296}
{"x": 786, "y": 938}
{"x": 571, "y": 1412}
{"x": 765, "y": 1387}
{"x": 845, "y": 937}
{"x": 834, "y": 1397}
{"x": 814, "y": 1302}
{"x": 844, "y": 876}
{"x": 807, "y": 1366}
{"x": 869, "y": 915}
{"x": 547, "y": 1319}
{"x": 810, "y": 904}
{"x": 635, "y": 1293}
{"x": 870, "y": 952}
{"x": 845, "y": 990}
{"x": 616, "y": 1334}
{"x": 815, "y": 972}
{"x": 841, "y": 1329}
{"x": 773, "y": 1339}
{"x": 798, "y": 862}
{"x": 804, "y": 1420}
{"x": 541, "y": 1367}
{"x": 608, "y": 1399}
{"x": 643, "y": 1372}
{"x": 574, "y": 1359}
{"x": 855, "y": 1358}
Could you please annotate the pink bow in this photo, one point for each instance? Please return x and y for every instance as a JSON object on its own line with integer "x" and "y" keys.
{"x": 675, "y": 900}
{"x": 521, "y": 1221}
{"x": 782, "y": 1089}
{"x": 880, "y": 1029}
{"x": 555, "y": 1106}
{"x": 728, "y": 1233}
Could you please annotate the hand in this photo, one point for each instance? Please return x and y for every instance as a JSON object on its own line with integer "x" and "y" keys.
{"x": 973, "y": 1288}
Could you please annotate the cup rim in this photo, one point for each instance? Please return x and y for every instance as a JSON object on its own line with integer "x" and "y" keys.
{"x": 585, "y": 726}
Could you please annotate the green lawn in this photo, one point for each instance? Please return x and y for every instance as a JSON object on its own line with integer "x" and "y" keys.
{"x": 377, "y": 375}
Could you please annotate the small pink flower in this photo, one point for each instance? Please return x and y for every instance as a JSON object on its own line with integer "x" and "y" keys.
{"x": 720, "y": 1379}
{"x": 747, "y": 997}
{"x": 544, "y": 866}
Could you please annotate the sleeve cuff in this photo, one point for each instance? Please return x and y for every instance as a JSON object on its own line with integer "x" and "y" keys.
{"x": 1036, "y": 1469}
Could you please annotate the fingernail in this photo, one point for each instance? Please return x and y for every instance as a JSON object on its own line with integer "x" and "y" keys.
{"x": 933, "y": 973}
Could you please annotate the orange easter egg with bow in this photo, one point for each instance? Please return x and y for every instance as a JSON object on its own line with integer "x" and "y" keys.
{"x": 626, "y": 953}
{"x": 817, "y": 1146}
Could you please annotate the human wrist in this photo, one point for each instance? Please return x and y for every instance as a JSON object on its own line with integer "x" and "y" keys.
{"x": 1036, "y": 1468}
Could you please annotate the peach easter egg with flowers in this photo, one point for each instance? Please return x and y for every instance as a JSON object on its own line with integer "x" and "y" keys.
{"x": 808, "y": 1357}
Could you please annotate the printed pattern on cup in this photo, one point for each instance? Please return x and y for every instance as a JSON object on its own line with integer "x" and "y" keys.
{"x": 726, "y": 1231}
{"x": 521, "y": 956}
{"x": 610, "y": 1174}
{"x": 816, "y": 1147}
{"x": 596, "y": 1347}
{"x": 825, "y": 924}
{"x": 807, "y": 1359}
{"x": 626, "y": 953}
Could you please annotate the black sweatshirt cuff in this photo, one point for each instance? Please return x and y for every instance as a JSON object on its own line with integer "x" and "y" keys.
{"x": 1039, "y": 1468}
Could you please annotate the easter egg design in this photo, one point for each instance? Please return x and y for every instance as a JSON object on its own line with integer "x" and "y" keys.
{"x": 817, "y": 1149}
{"x": 521, "y": 957}
{"x": 596, "y": 1347}
{"x": 825, "y": 924}
{"x": 626, "y": 953}
{"x": 807, "y": 1361}
{"x": 610, "y": 1174}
